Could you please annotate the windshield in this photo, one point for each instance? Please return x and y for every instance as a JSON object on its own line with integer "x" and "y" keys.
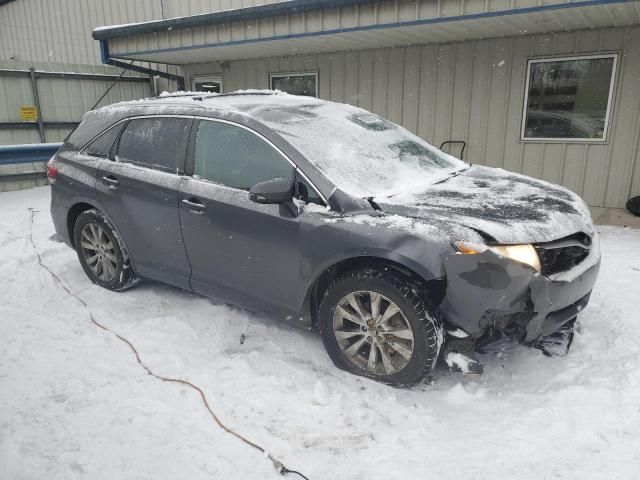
{"x": 361, "y": 153}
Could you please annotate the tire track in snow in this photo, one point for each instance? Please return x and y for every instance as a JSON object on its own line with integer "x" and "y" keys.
{"x": 278, "y": 465}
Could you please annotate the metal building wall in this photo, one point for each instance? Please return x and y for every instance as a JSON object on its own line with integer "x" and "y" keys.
{"x": 60, "y": 30}
{"x": 181, "y": 8}
{"x": 61, "y": 99}
{"x": 474, "y": 91}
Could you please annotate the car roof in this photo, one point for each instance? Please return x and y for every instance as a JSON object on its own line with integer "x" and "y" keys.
{"x": 201, "y": 102}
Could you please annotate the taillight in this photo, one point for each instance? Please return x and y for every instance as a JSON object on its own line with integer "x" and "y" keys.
{"x": 52, "y": 171}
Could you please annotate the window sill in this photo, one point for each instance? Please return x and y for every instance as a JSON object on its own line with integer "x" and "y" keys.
{"x": 586, "y": 141}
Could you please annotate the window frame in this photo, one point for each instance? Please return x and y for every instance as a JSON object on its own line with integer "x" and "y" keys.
{"x": 191, "y": 148}
{"x": 213, "y": 77}
{"x": 610, "y": 99}
{"x": 119, "y": 124}
{"x": 294, "y": 74}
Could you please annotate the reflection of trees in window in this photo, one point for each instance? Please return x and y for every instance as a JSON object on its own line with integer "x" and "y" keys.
{"x": 295, "y": 84}
{"x": 568, "y": 98}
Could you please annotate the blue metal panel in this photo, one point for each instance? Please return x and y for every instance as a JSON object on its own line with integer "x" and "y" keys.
{"x": 104, "y": 54}
{"x": 37, "y": 152}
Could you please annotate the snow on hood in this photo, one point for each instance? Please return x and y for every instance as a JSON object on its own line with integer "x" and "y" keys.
{"x": 509, "y": 207}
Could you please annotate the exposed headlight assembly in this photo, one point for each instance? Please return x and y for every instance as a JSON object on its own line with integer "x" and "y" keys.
{"x": 520, "y": 253}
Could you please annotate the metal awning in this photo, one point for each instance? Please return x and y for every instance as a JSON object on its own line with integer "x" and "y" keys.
{"x": 314, "y": 26}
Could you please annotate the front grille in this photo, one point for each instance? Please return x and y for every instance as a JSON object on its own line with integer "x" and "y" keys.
{"x": 564, "y": 254}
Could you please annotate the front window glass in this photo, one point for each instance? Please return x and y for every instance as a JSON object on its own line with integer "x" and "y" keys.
{"x": 235, "y": 157}
{"x": 569, "y": 98}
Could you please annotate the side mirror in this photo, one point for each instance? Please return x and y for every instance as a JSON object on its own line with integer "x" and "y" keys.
{"x": 278, "y": 190}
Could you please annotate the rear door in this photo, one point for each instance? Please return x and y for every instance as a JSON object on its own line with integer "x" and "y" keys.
{"x": 138, "y": 189}
{"x": 243, "y": 251}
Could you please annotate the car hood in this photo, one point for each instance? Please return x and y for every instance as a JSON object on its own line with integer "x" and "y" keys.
{"x": 509, "y": 207}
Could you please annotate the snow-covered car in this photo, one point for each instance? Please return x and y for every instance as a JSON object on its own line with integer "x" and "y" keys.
{"x": 324, "y": 213}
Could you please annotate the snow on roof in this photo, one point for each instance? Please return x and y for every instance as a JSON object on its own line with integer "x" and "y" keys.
{"x": 230, "y": 101}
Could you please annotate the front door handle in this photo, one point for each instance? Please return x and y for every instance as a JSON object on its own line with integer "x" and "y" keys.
{"x": 111, "y": 181}
{"x": 194, "y": 205}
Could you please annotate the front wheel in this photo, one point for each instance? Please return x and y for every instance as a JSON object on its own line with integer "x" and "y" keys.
{"x": 102, "y": 254}
{"x": 375, "y": 324}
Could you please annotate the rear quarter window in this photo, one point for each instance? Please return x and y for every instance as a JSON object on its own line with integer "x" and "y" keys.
{"x": 101, "y": 146}
{"x": 92, "y": 124}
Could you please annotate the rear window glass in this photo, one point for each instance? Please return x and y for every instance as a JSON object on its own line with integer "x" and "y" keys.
{"x": 159, "y": 143}
{"x": 101, "y": 146}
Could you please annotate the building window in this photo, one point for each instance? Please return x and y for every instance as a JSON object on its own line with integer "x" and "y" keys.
{"x": 209, "y": 84}
{"x": 569, "y": 98}
{"x": 295, "y": 83}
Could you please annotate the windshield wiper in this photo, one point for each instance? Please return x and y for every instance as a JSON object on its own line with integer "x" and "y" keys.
{"x": 453, "y": 174}
{"x": 373, "y": 204}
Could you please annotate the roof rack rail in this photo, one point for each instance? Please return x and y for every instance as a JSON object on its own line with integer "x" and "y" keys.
{"x": 206, "y": 95}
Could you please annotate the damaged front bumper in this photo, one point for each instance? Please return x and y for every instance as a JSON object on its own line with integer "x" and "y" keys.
{"x": 486, "y": 292}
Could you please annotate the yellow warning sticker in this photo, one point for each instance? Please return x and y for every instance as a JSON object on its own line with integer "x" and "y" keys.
{"x": 28, "y": 113}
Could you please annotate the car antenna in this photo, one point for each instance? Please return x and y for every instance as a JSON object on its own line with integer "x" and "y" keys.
{"x": 124, "y": 70}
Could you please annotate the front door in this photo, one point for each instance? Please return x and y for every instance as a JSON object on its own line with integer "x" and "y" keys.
{"x": 139, "y": 193}
{"x": 240, "y": 250}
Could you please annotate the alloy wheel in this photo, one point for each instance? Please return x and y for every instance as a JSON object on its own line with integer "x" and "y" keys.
{"x": 373, "y": 333}
{"x": 98, "y": 251}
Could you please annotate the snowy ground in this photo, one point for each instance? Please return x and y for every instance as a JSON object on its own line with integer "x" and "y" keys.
{"x": 74, "y": 402}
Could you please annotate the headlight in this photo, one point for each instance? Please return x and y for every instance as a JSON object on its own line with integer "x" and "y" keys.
{"x": 520, "y": 253}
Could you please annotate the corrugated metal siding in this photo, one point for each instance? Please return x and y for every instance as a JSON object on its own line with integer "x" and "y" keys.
{"x": 473, "y": 91}
{"x": 61, "y": 99}
{"x": 60, "y": 30}
{"x": 182, "y": 8}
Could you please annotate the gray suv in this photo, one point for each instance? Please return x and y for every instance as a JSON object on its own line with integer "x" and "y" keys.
{"x": 327, "y": 214}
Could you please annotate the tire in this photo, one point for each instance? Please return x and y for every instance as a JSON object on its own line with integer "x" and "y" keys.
{"x": 633, "y": 205}
{"x": 397, "y": 359}
{"x": 102, "y": 253}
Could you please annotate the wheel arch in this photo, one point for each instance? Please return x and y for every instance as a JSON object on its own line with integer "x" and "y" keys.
{"x": 433, "y": 287}
{"x": 72, "y": 215}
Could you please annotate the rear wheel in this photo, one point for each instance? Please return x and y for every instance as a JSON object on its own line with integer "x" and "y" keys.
{"x": 102, "y": 253}
{"x": 374, "y": 324}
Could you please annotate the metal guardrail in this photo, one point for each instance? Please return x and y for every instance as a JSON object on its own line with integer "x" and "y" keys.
{"x": 30, "y": 153}
{"x": 21, "y": 154}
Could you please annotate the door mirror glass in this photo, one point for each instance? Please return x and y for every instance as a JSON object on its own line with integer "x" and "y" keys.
{"x": 278, "y": 190}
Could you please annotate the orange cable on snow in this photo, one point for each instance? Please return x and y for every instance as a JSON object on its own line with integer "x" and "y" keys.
{"x": 276, "y": 463}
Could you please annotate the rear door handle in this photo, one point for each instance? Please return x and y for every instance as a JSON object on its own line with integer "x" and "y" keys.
{"x": 194, "y": 205}
{"x": 111, "y": 181}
